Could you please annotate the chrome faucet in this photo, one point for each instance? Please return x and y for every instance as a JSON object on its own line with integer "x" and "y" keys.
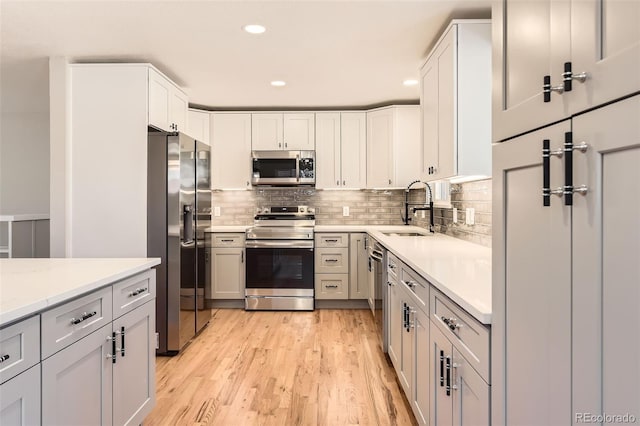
{"x": 418, "y": 206}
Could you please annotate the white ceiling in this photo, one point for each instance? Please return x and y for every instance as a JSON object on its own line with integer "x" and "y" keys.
{"x": 331, "y": 53}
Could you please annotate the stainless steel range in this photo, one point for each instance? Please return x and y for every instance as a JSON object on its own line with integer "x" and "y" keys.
{"x": 280, "y": 262}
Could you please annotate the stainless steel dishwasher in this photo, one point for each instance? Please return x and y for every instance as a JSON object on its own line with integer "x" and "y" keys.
{"x": 377, "y": 293}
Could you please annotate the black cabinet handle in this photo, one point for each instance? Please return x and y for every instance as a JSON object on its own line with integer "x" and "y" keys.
{"x": 331, "y": 286}
{"x": 331, "y": 260}
{"x": 546, "y": 173}
{"x": 441, "y": 368}
{"x": 568, "y": 169}
{"x": 83, "y": 317}
{"x": 113, "y": 347}
{"x": 404, "y": 315}
{"x": 227, "y": 241}
{"x": 122, "y": 337}
{"x": 448, "y": 387}
{"x": 331, "y": 241}
{"x": 3, "y": 358}
{"x": 137, "y": 291}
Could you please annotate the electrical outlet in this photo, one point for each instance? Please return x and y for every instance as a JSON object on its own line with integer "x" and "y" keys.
{"x": 216, "y": 211}
{"x": 345, "y": 211}
{"x": 423, "y": 214}
{"x": 455, "y": 215}
{"x": 470, "y": 216}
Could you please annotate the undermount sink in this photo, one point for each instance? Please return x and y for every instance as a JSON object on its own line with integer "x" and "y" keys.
{"x": 404, "y": 234}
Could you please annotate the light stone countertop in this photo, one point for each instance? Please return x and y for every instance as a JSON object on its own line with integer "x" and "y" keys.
{"x": 23, "y": 217}
{"x": 28, "y": 286}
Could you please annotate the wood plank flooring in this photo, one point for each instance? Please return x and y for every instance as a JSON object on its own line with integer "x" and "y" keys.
{"x": 281, "y": 368}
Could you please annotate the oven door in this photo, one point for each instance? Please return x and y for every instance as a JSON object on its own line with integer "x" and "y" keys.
{"x": 274, "y": 268}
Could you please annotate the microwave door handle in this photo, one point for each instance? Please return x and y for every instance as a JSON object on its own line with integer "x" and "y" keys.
{"x": 298, "y": 167}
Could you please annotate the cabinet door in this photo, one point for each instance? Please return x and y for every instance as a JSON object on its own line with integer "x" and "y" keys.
{"x": 538, "y": 44}
{"x": 198, "y": 125}
{"x": 227, "y": 273}
{"x": 429, "y": 102}
{"x": 299, "y": 131}
{"x": 396, "y": 321}
{"x": 77, "y": 382}
{"x": 353, "y": 150}
{"x": 159, "y": 95}
{"x": 420, "y": 398}
{"x": 470, "y": 395}
{"x": 134, "y": 381}
{"x": 606, "y": 271}
{"x": 407, "y": 357}
{"x": 328, "y": 150}
{"x": 230, "y": 151}
{"x": 179, "y": 104}
{"x": 532, "y": 269}
{"x": 380, "y": 149}
{"x": 605, "y": 43}
{"x": 20, "y": 399}
{"x": 446, "y": 63}
{"x": 358, "y": 268}
{"x": 266, "y": 132}
{"x": 440, "y": 349}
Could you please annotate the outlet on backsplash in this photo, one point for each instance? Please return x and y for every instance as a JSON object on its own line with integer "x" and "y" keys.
{"x": 345, "y": 211}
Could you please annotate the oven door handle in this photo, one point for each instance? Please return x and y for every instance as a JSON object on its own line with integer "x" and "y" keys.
{"x": 279, "y": 244}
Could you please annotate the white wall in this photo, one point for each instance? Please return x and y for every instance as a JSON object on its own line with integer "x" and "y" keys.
{"x": 24, "y": 136}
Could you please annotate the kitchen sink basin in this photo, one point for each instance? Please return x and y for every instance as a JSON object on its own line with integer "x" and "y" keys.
{"x": 405, "y": 234}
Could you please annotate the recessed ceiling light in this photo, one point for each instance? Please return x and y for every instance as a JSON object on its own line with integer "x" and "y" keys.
{"x": 254, "y": 29}
{"x": 278, "y": 83}
{"x": 410, "y": 82}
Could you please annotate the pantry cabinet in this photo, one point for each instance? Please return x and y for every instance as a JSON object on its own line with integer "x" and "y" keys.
{"x": 230, "y": 150}
{"x": 283, "y": 131}
{"x": 456, "y": 102}
{"x": 572, "y": 238}
{"x": 393, "y": 138}
{"x": 198, "y": 125}
{"x": 532, "y": 42}
{"x": 341, "y": 160}
{"x": 168, "y": 104}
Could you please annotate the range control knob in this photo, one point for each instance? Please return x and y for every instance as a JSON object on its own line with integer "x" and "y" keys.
{"x": 302, "y": 209}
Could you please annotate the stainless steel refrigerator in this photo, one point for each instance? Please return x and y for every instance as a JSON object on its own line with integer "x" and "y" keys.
{"x": 178, "y": 210}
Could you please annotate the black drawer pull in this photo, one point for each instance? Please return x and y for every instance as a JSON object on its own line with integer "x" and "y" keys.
{"x": 84, "y": 316}
{"x": 331, "y": 260}
{"x": 331, "y": 241}
{"x": 137, "y": 291}
{"x": 227, "y": 241}
{"x": 3, "y": 358}
{"x": 331, "y": 286}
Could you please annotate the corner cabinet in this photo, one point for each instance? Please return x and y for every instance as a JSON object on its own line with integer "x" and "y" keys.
{"x": 393, "y": 138}
{"x": 283, "y": 131}
{"x": 168, "y": 104}
{"x": 230, "y": 150}
{"x": 455, "y": 95}
{"x": 588, "y": 240}
{"x": 198, "y": 126}
{"x": 341, "y": 144}
{"x": 583, "y": 53}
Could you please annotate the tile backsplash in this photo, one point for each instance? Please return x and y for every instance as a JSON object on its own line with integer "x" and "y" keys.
{"x": 476, "y": 195}
{"x": 366, "y": 207}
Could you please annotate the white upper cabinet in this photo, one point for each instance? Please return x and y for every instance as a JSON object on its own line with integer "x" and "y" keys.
{"x": 562, "y": 57}
{"x": 393, "y": 141}
{"x": 230, "y": 150}
{"x": 283, "y": 131}
{"x": 168, "y": 104}
{"x": 341, "y": 150}
{"x": 456, "y": 103}
{"x": 198, "y": 125}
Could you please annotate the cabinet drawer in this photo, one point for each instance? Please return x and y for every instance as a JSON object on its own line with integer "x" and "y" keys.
{"x": 332, "y": 286}
{"x": 19, "y": 347}
{"x": 224, "y": 240}
{"x": 469, "y": 336}
{"x": 73, "y": 320}
{"x": 393, "y": 266}
{"x": 418, "y": 286}
{"x": 332, "y": 240}
{"x": 332, "y": 260}
{"x": 133, "y": 292}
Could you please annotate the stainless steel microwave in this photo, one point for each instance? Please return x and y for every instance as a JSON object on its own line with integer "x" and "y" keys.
{"x": 283, "y": 168}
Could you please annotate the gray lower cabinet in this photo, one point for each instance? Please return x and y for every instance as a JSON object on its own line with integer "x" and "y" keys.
{"x": 420, "y": 395}
{"x": 20, "y": 399}
{"x": 395, "y": 320}
{"x": 227, "y": 270}
{"x": 77, "y": 382}
{"x": 459, "y": 395}
{"x": 358, "y": 266}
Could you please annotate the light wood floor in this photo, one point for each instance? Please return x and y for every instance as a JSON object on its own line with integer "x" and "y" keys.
{"x": 281, "y": 368}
